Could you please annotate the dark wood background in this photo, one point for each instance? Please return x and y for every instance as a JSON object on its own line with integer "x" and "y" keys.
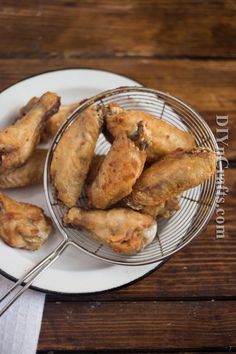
{"x": 184, "y": 47}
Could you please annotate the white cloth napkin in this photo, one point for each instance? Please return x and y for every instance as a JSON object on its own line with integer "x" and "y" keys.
{"x": 20, "y": 325}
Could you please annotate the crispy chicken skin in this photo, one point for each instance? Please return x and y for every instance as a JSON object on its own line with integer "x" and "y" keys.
{"x": 23, "y": 225}
{"x": 164, "y": 210}
{"x": 124, "y": 230}
{"x": 18, "y": 141}
{"x": 54, "y": 123}
{"x": 29, "y": 105}
{"x": 73, "y": 155}
{"x": 30, "y": 173}
{"x": 94, "y": 168}
{"x": 165, "y": 138}
{"x": 119, "y": 171}
{"x": 172, "y": 175}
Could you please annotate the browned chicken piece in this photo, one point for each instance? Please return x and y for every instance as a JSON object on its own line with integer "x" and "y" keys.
{"x": 124, "y": 230}
{"x": 23, "y": 225}
{"x": 164, "y": 210}
{"x": 172, "y": 175}
{"x": 119, "y": 171}
{"x": 29, "y": 105}
{"x": 165, "y": 138}
{"x": 18, "y": 141}
{"x": 54, "y": 123}
{"x": 94, "y": 168}
{"x": 73, "y": 155}
{"x": 30, "y": 173}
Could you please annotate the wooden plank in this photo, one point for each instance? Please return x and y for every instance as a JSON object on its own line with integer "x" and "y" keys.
{"x": 204, "y": 269}
{"x": 134, "y": 28}
{"x": 139, "y": 325}
{"x": 209, "y": 86}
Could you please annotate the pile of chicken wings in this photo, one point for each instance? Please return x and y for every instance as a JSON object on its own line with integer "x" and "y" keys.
{"x": 149, "y": 164}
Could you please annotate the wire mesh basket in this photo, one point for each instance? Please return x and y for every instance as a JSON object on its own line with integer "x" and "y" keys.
{"x": 197, "y": 204}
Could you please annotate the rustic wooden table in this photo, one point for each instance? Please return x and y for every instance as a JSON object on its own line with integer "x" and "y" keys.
{"x": 188, "y": 49}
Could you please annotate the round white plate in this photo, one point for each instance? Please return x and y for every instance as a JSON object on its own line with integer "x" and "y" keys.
{"x": 74, "y": 272}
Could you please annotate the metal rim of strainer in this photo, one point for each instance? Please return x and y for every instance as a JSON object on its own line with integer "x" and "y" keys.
{"x": 168, "y": 102}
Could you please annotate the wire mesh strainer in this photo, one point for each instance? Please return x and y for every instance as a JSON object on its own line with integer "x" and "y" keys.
{"x": 197, "y": 204}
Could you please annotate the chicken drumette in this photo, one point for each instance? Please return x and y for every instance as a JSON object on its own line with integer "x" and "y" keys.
{"x": 23, "y": 225}
{"x": 18, "y": 141}
{"x": 124, "y": 230}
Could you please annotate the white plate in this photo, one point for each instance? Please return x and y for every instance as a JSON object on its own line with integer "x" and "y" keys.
{"x": 74, "y": 272}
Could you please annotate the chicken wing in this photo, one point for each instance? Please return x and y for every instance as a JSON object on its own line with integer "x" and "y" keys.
{"x": 124, "y": 230}
{"x": 165, "y": 138}
{"x": 23, "y": 225}
{"x": 119, "y": 171}
{"x": 73, "y": 155}
{"x": 30, "y": 173}
{"x": 18, "y": 141}
{"x": 54, "y": 123}
{"x": 171, "y": 175}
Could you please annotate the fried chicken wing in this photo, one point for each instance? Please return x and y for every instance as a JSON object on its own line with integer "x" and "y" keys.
{"x": 73, "y": 155}
{"x": 165, "y": 138}
{"x": 119, "y": 171}
{"x": 54, "y": 123}
{"x": 172, "y": 175}
{"x": 18, "y": 141}
{"x": 23, "y": 225}
{"x": 30, "y": 173}
{"x": 124, "y": 230}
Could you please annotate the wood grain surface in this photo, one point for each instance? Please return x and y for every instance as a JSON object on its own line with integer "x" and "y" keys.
{"x": 139, "y": 325}
{"x": 186, "y": 48}
{"x": 93, "y": 28}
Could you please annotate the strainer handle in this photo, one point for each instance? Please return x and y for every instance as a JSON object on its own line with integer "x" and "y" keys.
{"x": 32, "y": 275}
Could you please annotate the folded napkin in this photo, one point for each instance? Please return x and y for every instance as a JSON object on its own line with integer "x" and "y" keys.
{"x": 20, "y": 325}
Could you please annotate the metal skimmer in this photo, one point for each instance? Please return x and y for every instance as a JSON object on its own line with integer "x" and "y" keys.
{"x": 197, "y": 204}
